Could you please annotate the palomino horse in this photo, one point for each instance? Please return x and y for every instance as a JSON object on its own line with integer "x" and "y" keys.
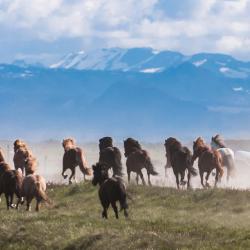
{"x": 180, "y": 158}
{"x": 34, "y": 186}
{"x": 110, "y": 155}
{"x": 226, "y": 153}
{"x": 73, "y": 157}
{"x": 137, "y": 159}
{"x": 209, "y": 159}
{"x": 21, "y": 155}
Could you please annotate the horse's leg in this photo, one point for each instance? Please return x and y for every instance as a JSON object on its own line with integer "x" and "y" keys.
{"x": 182, "y": 178}
{"x": 28, "y": 201}
{"x": 115, "y": 209}
{"x": 177, "y": 180}
{"x": 11, "y": 201}
{"x": 228, "y": 174}
{"x": 216, "y": 178}
{"x": 149, "y": 181}
{"x": 207, "y": 177}
{"x": 128, "y": 176}
{"x": 7, "y": 201}
{"x": 201, "y": 175}
{"x": 142, "y": 178}
{"x": 64, "y": 175}
{"x": 38, "y": 203}
{"x": 73, "y": 172}
{"x": 188, "y": 182}
{"x": 137, "y": 178}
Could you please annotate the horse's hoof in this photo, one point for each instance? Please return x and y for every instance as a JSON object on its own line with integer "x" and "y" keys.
{"x": 183, "y": 183}
{"x": 13, "y": 205}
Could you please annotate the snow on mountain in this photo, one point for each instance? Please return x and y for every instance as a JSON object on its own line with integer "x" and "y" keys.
{"x": 147, "y": 60}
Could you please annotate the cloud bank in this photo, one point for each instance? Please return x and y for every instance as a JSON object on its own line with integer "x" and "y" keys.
{"x": 46, "y": 28}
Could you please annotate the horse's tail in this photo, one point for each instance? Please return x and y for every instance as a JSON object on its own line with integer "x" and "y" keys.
{"x": 83, "y": 164}
{"x": 189, "y": 161}
{"x": 218, "y": 161}
{"x": 149, "y": 166}
{"x": 40, "y": 193}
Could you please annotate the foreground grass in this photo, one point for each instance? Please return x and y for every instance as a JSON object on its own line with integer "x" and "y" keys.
{"x": 160, "y": 218}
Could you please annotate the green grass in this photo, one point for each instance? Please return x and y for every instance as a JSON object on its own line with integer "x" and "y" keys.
{"x": 160, "y": 218}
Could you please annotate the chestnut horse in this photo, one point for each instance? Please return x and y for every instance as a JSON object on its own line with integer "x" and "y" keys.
{"x": 137, "y": 159}
{"x": 73, "y": 157}
{"x": 180, "y": 158}
{"x": 208, "y": 159}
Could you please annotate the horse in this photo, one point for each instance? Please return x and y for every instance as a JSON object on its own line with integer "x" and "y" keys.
{"x": 226, "y": 153}
{"x": 209, "y": 159}
{"x": 73, "y": 157}
{"x": 1, "y": 155}
{"x": 34, "y": 186}
{"x": 110, "y": 155}
{"x": 10, "y": 184}
{"x": 30, "y": 165}
{"x": 111, "y": 190}
{"x": 180, "y": 158}
{"x": 137, "y": 159}
{"x": 21, "y": 154}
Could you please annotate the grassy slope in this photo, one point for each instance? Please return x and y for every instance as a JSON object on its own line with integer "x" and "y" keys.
{"x": 160, "y": 218}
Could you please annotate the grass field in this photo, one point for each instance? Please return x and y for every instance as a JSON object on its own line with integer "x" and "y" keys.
{"x": 160, "y": 218}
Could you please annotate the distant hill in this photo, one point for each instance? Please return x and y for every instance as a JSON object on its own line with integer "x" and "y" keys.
{"x": 186, "y": 96}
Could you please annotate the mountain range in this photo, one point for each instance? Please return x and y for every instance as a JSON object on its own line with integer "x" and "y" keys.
{"x": 136, "y": 92}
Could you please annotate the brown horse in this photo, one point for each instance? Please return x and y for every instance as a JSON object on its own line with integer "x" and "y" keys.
{"x": 180, "y": 158}
{"x": 73, "y": 157}
{"x": 110, "y": 155}
{"x": 21, "y": 155}
{"x": 10, "y": 184}
{"x": 34, "y": 186}
{"x": 208, "y": 160}
{"x": 137, "y": 159}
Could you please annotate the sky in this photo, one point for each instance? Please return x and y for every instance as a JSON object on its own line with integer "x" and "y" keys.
{"x": 45, "y": 30}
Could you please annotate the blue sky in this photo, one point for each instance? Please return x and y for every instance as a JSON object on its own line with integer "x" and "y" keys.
{"x": 45, "y": 30}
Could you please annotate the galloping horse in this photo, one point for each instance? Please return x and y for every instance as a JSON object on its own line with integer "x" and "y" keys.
{"x": 73, "y": 157}
{"x": 21, "y": 155}
{"x": 180, "y": 158}
{"x": 226, "y": 153}
{"x": 110, "y": 155}
{"x": 137, "y": 159}
{"x": 209, "y": 159}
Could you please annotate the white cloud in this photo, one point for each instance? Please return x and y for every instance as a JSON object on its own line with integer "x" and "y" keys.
{"x": 211, "y": 25}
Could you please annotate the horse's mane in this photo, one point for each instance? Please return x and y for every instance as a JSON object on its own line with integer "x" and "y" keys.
{"x": 200, "y": 143}
{"x": 173, "y": 143}
{"x": 68, "y": 143}
{"x": 19, "y": 144}
{"x": 219, "y": 141}
{"x": 105, "y": 142}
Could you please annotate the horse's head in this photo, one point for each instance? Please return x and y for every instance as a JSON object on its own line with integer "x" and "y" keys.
{"x": 131, "y": 145}
{"x": 100, "y": 173}
{"x": 217, "y": 142}
{"x": 68, "y": 143}
{"x": 18, "y": 144}
{"x": 105, "y": 142}
{"x": 198, "y": 147}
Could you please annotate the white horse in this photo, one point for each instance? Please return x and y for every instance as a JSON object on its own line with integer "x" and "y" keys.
{"x": 227, "y": 155}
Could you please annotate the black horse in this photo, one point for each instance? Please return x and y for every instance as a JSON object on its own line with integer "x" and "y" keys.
{"x": 110, "y": 155}
{"x": 111, "y": 190}
{"x": 180, "y": 158}
{"x": 137, "y": 159}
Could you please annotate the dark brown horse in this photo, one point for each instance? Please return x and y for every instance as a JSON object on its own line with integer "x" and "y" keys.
{"x": 180, "y": 158}
{"x": 21, "y": 155}
{"x": 110, "y": 155}
{"x": 137, "y": 159}
{"x": 73, "y": 157}
{"x": 208, "y": 160}
{"x": 111, "y": 190}
{"x": 10, "y": 184}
